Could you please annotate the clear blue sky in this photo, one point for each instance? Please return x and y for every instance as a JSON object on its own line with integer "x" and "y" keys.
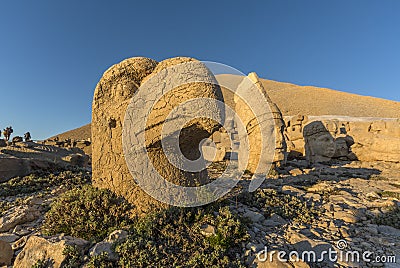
{"x": 52, "y": 53}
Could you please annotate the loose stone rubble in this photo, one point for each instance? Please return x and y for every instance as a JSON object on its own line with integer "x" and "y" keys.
{"x": 350, "y": 197}
{"x": 50, "y": 250}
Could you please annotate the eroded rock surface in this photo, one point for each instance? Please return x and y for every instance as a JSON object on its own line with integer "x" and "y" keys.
{"x": 6, "y": 253}
{"x": 26, "y": 157}
{"x": 16, "y": 216}
{"x": 50, "y": 250}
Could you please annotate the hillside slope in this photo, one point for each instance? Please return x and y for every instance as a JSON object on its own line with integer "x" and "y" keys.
{"x": 80, "y": 133}
{"x": 293, "y": 99}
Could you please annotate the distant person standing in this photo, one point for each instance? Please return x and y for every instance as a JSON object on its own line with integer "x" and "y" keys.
{"x": 27, "y": 136}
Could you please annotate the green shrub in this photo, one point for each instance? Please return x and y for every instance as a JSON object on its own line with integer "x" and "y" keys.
{"x": 73, "y": 257}
{"x": 100, "y": 261}
{"x": 43, "y": 263}
{"x": 390, "y": 218}
{"x": 172, "y": 238}
{"x": 87, "y": 213}
{"x": 390, "y": 194}
{"x": 285, "y": 205}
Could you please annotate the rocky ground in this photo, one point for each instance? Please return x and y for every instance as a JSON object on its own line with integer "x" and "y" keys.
{"x": 299, "y": 209}
{"x": 23, "y": 158}
{"x": 354, "y": 203}
{"x": 24, "y": 202}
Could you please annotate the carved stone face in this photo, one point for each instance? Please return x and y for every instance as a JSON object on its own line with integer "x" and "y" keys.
{"x": 323, "y": 145}
{"x": 341, "y": 147}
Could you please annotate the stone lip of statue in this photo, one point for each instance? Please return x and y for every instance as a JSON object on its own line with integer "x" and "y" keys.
{"x": 319, "y": 143}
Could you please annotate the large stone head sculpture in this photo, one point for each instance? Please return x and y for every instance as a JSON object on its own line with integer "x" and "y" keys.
{"x": 251, "y": 88}
{"x": 116, "y": 103}
{"x": 319, "y": 143}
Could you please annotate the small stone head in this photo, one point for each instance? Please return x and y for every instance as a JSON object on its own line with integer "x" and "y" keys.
{"x": 342, "y": 149}
{"x": 343, "y": 145}
{"x": 320, "y": 145}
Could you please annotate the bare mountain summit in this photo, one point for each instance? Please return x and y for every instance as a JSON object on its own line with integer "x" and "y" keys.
{"x": 80, "y": 133}
{"x": 306, "y": 100}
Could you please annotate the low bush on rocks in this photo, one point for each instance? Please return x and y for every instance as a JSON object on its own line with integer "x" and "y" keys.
{"x": 390, "y": 194}
{"x": 173, "y": 238}
{"x": 390, "y": 218}
{"x": 43, "y": 263}
{"x": 287, "y": 206}
{"x": 101, "y": 261}
{"x": 73, "y": 257}
{"x": 87, "y": 213}
{"x": 4, "y": 206}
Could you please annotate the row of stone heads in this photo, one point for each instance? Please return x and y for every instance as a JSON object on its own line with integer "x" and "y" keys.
{"x": 317, "y": 141}
{"x": 348, "y": 138}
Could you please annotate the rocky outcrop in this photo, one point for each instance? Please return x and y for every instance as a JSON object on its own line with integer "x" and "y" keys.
{"x": 49, "y": 250}
{"x": 3, "y": 143}
{"x": 27, "y": 157}
{"x": 80, "y": 160}
{"x": 69, "y": 143}
{"x": 12, "y": 167}
{"x": 18, "y": 215}
{"x": 17, "y": 139}
{"x": 6, "y": 253}
{"x": 106, "y": 246}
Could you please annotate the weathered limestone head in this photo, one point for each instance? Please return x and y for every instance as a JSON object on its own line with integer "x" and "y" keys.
{"x": 111, "y": 98}
{"x": 319, "y": 143}
{"x": 280, "y": 156}
{"x": 250, "y": 89}
{"x": 194, "y": 131}
{"x": 113, "y": 95}
{"x": 342, "y": 149}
